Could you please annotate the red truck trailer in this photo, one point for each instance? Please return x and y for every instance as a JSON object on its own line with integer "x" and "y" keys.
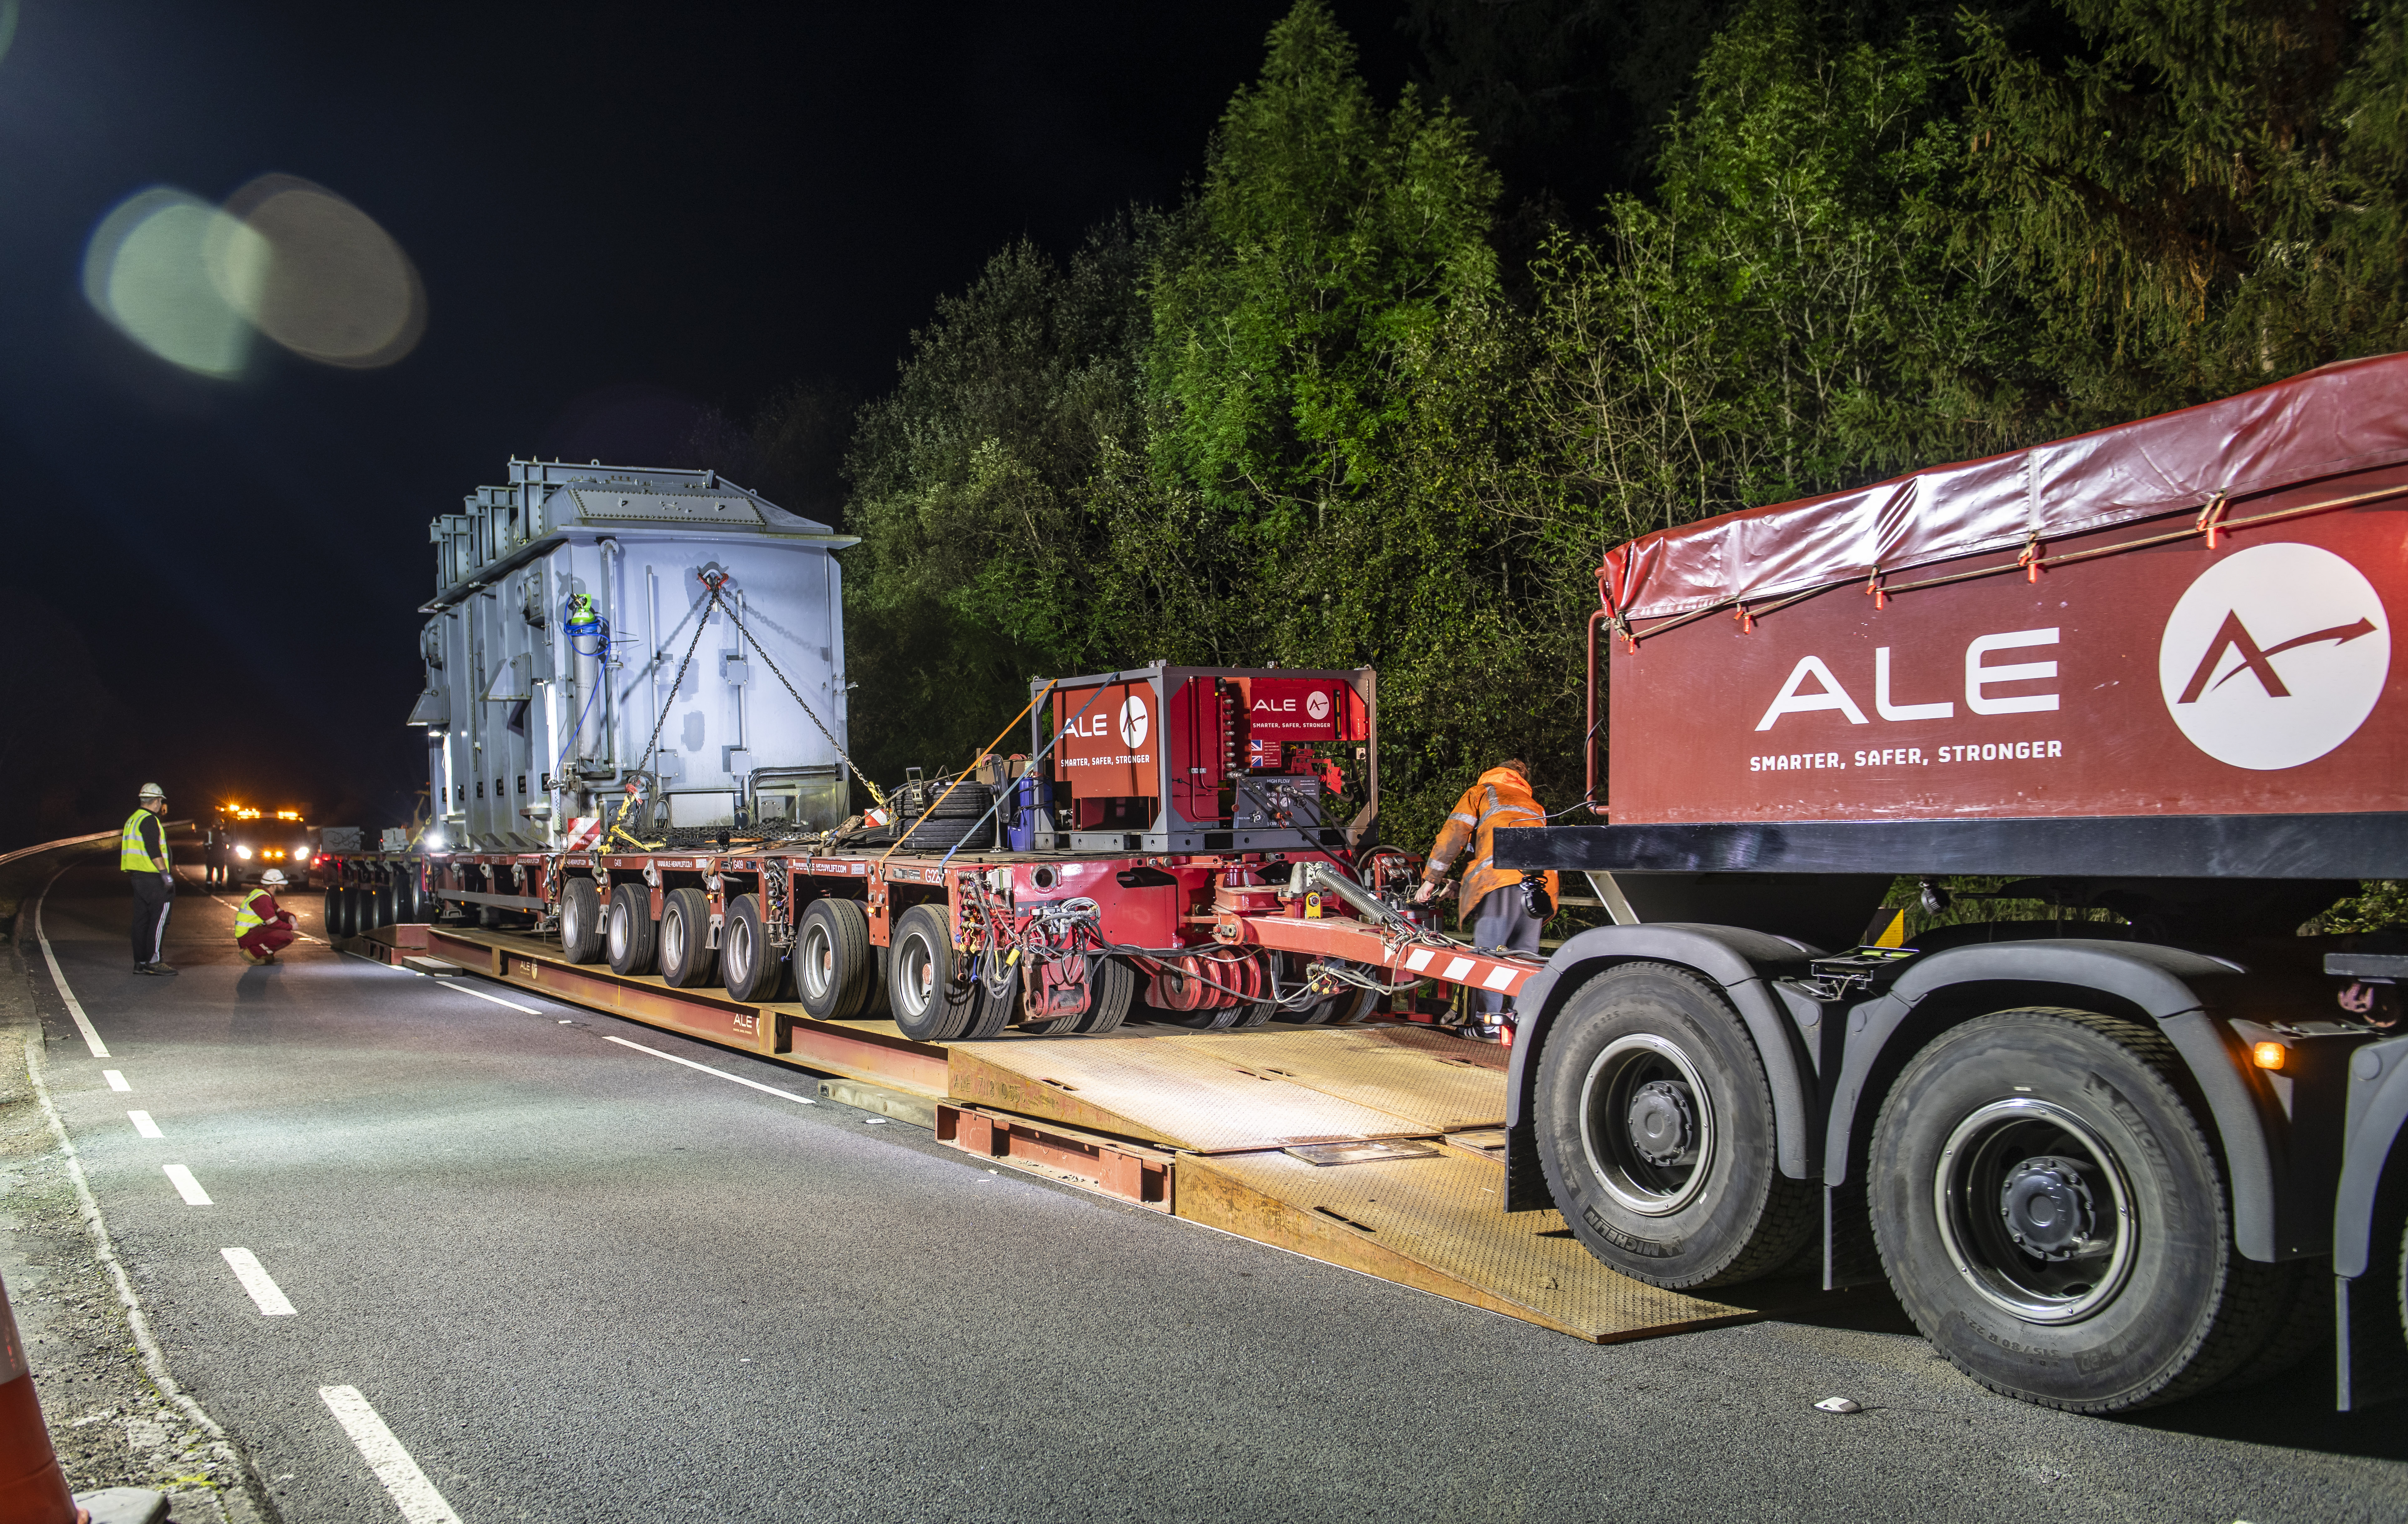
{"x": 2144, "y": 674}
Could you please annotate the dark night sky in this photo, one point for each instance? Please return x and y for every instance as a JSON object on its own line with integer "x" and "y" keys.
{"x": 604, "y": 201}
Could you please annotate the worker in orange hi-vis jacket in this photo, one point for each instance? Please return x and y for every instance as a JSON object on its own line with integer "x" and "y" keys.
{"x": 261, "y": 931}
{"x": 1501, "y": 903}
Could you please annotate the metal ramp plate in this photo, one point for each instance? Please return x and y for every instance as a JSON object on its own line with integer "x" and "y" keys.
{"x": 1435, "y": 1223}
{"x": 1213, "y": 1098}
{"x": 1439, "y": 1083}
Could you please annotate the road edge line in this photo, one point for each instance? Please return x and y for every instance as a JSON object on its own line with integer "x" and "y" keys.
{"x": 154, "y": 1360}
{"x": 58, "y": 975}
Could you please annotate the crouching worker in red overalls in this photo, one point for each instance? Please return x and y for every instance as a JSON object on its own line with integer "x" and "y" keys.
{"x": 259, "y": 929}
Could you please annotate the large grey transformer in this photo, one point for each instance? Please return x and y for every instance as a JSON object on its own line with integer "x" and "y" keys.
{"x": 534, "y": 727}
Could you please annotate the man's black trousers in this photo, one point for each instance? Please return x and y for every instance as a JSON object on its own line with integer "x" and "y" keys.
{"x": 152, "y": 895}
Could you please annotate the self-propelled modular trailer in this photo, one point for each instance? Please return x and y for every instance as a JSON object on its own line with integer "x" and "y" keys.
{"x": 2143, "y": 676}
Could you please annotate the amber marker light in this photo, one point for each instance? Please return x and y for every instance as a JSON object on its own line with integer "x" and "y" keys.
{"x": 2267, "y": 1055}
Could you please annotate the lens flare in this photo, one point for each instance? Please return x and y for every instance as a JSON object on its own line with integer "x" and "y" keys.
{"x": 170, "y": 271}
{"x": 8, "y": 25}
{"x": 328, "y": 282}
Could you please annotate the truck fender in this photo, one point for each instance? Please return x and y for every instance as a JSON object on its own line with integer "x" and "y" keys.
{"x": 2378, "y": 1109}
{"x": 2153, "y": 980}
{"x": 1738, "y": 960}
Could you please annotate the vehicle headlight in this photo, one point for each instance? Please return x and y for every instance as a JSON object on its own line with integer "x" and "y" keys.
{"x": 300, "y": 855}
{"x": 244, "y": 852}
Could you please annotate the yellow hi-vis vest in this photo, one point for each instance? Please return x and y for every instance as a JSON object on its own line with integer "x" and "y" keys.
{"x": 132, "y": 855}
{"x": 245, "y": 918}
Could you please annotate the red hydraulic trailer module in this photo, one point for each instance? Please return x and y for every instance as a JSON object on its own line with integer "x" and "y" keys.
{"x": 2147, "y": 676}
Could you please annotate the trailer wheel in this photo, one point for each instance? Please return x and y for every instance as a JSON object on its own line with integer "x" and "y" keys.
{"x": 687, "y": 957}
{"x": 1348, "y": 1007}
{"x": 1250, "y": 1016}
{"x": 931, "y": 1002}
{"x": 1656, "y": 1132}
{"x": 2053, "y": 1216}
{"x": 749, "y": 965}
{"x": 1111, "y": 989}
{"x": 630, "y": 930}
{"x": 832, "y": 959}
{"x": 581, "y": 922}
{"x": 999, "y": 1002}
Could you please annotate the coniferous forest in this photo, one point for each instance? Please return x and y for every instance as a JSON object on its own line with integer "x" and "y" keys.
{"x": 1384, "y": 384}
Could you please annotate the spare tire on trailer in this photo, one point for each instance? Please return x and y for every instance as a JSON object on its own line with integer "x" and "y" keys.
{"x": 1654, "y": 1127}
{"x": 2053, "y": 1215}
{"x": 943, "y": 833}
{"x": 582, "y": 938}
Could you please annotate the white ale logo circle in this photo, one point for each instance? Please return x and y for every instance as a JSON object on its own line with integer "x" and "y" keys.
{"x": 1316, "y": 704}
{"x": 1133, "y": 722}
{"x": 2274, "y": 656}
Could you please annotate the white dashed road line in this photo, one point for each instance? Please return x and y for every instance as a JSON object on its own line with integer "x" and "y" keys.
{"x": 58, "y": 977}
{"x": 256, "y": 1280}
{"x": 721, "y": 1074}
{"x": 116, "y": 1081}
{"x": 411, "y": 1492}
{"x": 143, "y": 1125}
{"x": 186, "y": 1186}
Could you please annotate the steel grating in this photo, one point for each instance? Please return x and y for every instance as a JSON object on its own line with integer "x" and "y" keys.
{"x": 1440, "y": 1084}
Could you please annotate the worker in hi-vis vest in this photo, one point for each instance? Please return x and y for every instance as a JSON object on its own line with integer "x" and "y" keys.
{"x": 142, "y": 853}
{"x": 261, "y": 929}
{"x": 1505, "y": 908}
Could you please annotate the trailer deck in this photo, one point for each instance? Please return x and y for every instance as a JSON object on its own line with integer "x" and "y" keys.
{"x": 1376, "y": 1147}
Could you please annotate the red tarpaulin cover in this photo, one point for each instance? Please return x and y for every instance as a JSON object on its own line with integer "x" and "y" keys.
{"x": 2343, "y": 417}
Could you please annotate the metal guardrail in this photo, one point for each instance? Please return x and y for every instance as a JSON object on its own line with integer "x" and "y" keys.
{"x": 23, "y": 871}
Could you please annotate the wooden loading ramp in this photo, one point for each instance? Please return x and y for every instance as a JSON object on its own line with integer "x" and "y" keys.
{"x": 1376, "y": 1148}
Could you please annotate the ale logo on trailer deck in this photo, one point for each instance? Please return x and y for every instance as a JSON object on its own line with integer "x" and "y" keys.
{"x": 2274, "y": 656}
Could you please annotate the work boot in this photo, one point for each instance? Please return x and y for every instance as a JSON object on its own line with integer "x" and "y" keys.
{"x": 251, "y": 957}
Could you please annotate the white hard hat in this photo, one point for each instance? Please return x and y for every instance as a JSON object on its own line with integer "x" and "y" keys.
{"x": 152, "y": 791}
{"x": 273, "y": 878}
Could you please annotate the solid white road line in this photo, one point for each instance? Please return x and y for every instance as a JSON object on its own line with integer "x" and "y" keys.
{"x": 411, "y": 1492}
{"x": 186, "y": 1186}
{"x": 75, "y": 1008}
{"x": 143, "y": 1125}
{"x": 461, "y": 984}
{"x": 256, "y": 1280}
{"x": 116, "y": 1081}
{"x": 765, "y": 1089}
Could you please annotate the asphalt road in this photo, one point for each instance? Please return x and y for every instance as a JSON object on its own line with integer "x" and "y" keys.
{"x": 579, "y": 1282}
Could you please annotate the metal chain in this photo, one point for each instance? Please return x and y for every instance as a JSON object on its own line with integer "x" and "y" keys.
{"x": 652, "y": 747}
{"x": 866, "y": 782}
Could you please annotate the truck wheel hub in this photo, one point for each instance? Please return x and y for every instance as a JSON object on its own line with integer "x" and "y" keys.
{"x": 2046, "y": 1205}
{"x": 1661, "y": 1125}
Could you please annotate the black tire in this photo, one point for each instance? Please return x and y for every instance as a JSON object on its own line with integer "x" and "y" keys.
{"x": 687, "y": 958}
{"x": 332, "y": 913}
{"x": 582, "y": 938}
{"x": 998, "y": 1003}
{"x": 1312, "y": 1015}
{"x": 1112, "y": 990}
{"x": 2305, "y": 1326}
{"x": 834, "y": 969}
{"x": 941, "y": 834}
{"x": 1656, "y": 1130}
{"x": 929, "y": 1000}
{"x": 386, "y": 909}
{"x": 1349, "y": 1007}
{"x": 1250, "y": 1016}
{"x": 2120, "y": 1287}
{"x": 753, "y": 967}
{"x": 629, "y": 933}
{"x": 492, "y": 917}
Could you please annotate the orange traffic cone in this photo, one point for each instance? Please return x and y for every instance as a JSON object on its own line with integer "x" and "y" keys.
{"x": 33, "y": 1489}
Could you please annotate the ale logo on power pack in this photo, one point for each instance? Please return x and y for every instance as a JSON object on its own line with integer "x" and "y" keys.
{"x": 1133, "y": 720}
{"x": 1316, "y": 704}
{"x": 2274, "y": 656}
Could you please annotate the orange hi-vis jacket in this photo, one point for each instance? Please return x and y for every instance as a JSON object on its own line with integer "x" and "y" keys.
{"x": 1500, "y": 797}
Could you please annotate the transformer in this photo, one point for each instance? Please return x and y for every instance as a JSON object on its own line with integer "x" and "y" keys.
{"x": 565, "y": 603}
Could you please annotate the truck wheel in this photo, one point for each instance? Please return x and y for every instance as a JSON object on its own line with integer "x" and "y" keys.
{"x": 1112, "y": 990}
{"x": 999, "y": 1002}
{"x": 687, "y": 958}
{"x": 931, "y": 1001}
{"x": 581, "y": 922}
{"x": 832, "y": 959}
{"x": 1348, "y": 1007}
{"x": 1250, "y": 1016}
{"x": 2054, "y": 1219}
{"x": 1655, "y": 1132}
{"x": 629, "y": 930}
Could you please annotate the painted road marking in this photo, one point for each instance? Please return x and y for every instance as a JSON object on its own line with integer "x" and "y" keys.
{"x": 84, "y": 1023}
{"x": 411, "y": 1492}
{"x": 765, "y": 1089}
{"x": 186, "y": 1186}
{"x": 116, "y": 1081}
{"x": 256, "y": 1280}
{"x": 143, "y": 1125}
{"x": 447, "y": 984}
